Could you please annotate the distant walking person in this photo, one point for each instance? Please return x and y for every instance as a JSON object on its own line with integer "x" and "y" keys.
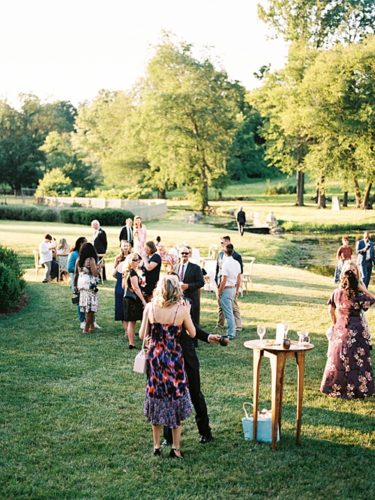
{"x": 241, "y": 220}
{"x": 344, "y": 254}
{"x": 366, "y": 257}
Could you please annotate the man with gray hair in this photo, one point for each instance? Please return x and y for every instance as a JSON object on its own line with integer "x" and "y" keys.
{"x": 99, "y": 241}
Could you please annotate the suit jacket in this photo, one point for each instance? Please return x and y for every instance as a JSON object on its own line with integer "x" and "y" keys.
{"x": 124, "y": 234}
{"x": 236, "y": 256}
{"x": 194, "y": 278}
{"x": 188, "y": 346}
{"x": 361, "y": 245}
{"x": 241, "y": 217}
{"x": 100, "y": 241}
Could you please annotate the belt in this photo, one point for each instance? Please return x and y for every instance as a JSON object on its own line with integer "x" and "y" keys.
{"x": 234, "y": 286}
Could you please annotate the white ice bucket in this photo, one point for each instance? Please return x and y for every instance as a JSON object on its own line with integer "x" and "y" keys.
{"x": 264, "y": 427}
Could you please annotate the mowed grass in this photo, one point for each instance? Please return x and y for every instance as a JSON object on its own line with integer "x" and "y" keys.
{"x": 72, "y": 422}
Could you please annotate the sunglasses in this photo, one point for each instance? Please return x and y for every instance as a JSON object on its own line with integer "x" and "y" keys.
{"x": 135, "y": 260}
{"x": 184, "y": 253}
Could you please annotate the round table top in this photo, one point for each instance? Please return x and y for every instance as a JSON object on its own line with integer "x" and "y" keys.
{"x": 272, "y": 345}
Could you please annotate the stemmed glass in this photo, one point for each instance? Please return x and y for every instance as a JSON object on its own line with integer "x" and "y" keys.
{"x": 261, "y": 331}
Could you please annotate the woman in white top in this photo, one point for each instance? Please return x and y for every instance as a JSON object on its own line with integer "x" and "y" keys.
{"x": 139, "y": 235}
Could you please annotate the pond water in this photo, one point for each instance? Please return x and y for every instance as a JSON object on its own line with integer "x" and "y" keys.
{"x": 318, "y": 251}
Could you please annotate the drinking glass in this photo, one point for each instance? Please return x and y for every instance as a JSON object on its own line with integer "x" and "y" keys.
{"x": 303, "y": 337}
{"x": 261, "y": 331}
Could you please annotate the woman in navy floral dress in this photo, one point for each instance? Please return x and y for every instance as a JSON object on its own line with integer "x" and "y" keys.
{"x": 348, "y": 372}
{"x": 167, "y": 401}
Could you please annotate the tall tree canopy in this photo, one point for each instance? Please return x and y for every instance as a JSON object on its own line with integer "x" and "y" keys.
{"x": 190, "y": 112}
{"x": 320, "y": 22}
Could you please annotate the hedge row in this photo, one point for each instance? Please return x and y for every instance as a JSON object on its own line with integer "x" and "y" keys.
{"x": 11, "y": 282}
{"x": 106, "y": 216}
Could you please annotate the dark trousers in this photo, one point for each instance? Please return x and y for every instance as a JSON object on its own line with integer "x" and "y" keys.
{"x": 366, "y": 270}
{"x": 197, "y": 398}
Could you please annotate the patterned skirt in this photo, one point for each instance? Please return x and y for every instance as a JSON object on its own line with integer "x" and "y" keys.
{"x": 88, "y": 301}
{"x": 168, "y": 412}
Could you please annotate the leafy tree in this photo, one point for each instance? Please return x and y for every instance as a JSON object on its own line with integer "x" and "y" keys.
{"x": 320, "y": 22}
{"x": 190, "y": 113}
{"x": 337, "y": 102}
{"x": 59, "y": 153}
{"x": 54, "y": 183}
{"x": 107, "y": 136}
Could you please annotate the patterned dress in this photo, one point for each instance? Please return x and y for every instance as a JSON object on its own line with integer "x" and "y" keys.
{"x": 88, "y": 298}
{"x": 348, "y": 372}
{"x": 167, "y": 400}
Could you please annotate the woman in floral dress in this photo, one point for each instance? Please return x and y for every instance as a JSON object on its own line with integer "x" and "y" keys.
{"x": 167, "y": 401}
{"x": 348, "y": 372}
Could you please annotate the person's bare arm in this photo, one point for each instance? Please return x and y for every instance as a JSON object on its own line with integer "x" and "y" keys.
{"x": 94, "y": 268}
{"x": 145, "y": 326}
{"x": 188, "y": 323}
{"x": 364, "y": 290}
{"x": 222, "y": 284}
{"x": 137, "y": 290}
{"x": 332, "y": 313}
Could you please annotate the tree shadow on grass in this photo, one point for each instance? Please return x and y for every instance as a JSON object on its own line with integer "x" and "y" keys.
{"x": 273, "y": 298}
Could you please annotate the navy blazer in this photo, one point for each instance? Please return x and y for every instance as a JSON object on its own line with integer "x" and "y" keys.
{"x": 361, "y": 245}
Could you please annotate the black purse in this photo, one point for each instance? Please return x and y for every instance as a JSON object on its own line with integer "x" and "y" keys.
{"x": 129, "y": 294}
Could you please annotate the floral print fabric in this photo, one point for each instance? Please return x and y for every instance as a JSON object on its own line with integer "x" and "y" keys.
{"x": 348, "y": 372}
{"x": 167, "y": 399}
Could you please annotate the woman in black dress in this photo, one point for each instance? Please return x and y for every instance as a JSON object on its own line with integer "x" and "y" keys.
{"x": 118, "y": 271}
{"x": 134, "y": 301}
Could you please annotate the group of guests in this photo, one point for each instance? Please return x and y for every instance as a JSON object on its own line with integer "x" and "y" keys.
{"x": 365, "y": 257}
{"x": 164, "y": 295}
{"x": 53, "y": 257}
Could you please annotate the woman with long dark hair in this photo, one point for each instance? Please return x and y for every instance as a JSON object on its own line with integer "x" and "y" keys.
{"x": 88, "y": 271}
{"x": 348, "y": 372}
{"x": 118, "y": 270}
{"x": 71, "y": 265}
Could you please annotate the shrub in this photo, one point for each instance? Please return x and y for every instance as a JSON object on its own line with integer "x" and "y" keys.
{"x": 10, "y": 287}
{"x": 106, "y": 216}
{"x": 9, "y": 258}
{"x": 280, "y": 188}
{"x": 28, "y": 213}
{"x": 54, "y": 183}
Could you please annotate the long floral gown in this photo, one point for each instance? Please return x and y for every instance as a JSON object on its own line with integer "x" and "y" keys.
{"x": 348, "y": 371}
{"x": 167, "y": 400}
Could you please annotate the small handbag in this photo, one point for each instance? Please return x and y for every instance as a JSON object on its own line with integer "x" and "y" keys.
{"x": 140, "y": 359}
{"x": 129, "y": 294}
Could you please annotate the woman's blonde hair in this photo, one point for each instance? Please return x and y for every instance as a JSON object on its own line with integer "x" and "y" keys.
{"x": 168, "y": 291}
{"x": 136, "y": 219}
{"x": 347, "y": 266}
{"x": 128, "y": 264}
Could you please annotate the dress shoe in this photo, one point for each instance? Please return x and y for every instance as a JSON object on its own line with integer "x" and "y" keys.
{"x": 206, "y": 439}
{"x": 238, "y": 328}
{"x": 131, "y": 346}
{"x": 173, "y": 454}
{"x": 157, "y": 452}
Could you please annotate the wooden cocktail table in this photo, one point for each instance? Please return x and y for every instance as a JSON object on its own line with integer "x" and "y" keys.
{"x": 277, "y": 356}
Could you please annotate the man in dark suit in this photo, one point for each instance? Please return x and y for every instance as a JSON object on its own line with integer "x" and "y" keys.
{"x": 99, "y": 241}
{"x": 366, "y": 257}
{"x": 241, "y": 220}
{"x": 193, "y": 375}
{"x": 191, "y": 279}
{"x": 225, "y": 240}
{"x": 126, "y": 232}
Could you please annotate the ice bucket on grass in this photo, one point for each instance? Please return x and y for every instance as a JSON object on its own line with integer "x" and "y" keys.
{"x": 264, "y": 428}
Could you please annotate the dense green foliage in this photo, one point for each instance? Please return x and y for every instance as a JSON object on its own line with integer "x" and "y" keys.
{"x": 11, "y": 282}
{"x": 107, "y": 216}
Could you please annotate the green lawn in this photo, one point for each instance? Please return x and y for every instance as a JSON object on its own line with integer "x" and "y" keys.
{"x": 72, "y": 424}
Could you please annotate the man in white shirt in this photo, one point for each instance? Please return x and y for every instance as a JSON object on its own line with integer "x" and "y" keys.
{"x": 228, "y": 288}
{"x": 46, "y": 256}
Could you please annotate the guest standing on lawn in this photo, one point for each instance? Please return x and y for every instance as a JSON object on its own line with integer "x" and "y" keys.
{"x": 167, "y": 401}
{"x": 366, "y": 257}
{"x": 88, "y": 271}
{"x": 139, "y": 235}
{"x": 348, "y": 372}
{"x": 228, "y": 288}
{"x": 46, "y": 256}
{"x": 151, "y": 269}
{"x": 72, "y": 259}
{"x": 344, "y": 254}
{"x": 118, "y": 270}
{"x": 134, "y": 301}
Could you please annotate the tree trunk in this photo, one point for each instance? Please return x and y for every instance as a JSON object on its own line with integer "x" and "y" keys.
{"x": 300, "y": 187}
{"x": 366, "y": 196}
{"x": 345, "y": 199}
{"x": 204, "y": 195}
{"x": 162, "y": 193}
{"x": 357, "y": 192}
{"x": 322, "y": 193}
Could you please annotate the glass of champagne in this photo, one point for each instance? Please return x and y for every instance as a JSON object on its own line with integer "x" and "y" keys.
{"x": 261, "y": 331}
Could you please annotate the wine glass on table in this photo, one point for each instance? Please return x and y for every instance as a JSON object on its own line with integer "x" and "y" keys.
{"x": 261, "y": 331}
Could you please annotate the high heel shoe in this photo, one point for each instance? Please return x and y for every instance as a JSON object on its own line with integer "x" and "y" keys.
{"x": 131, "y": 346}
{"x": 173, "y": 453}
{"x": 157, "y": 452}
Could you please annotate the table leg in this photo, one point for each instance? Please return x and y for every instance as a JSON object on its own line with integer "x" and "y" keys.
{"x": 257, "y": 358}
{"x": 281, "y": 396}
{"x": 300, "y": 358}
{"x": 277, "y": 368}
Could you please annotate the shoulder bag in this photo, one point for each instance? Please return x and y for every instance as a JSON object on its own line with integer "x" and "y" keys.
{"x": 140, "y": 359}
